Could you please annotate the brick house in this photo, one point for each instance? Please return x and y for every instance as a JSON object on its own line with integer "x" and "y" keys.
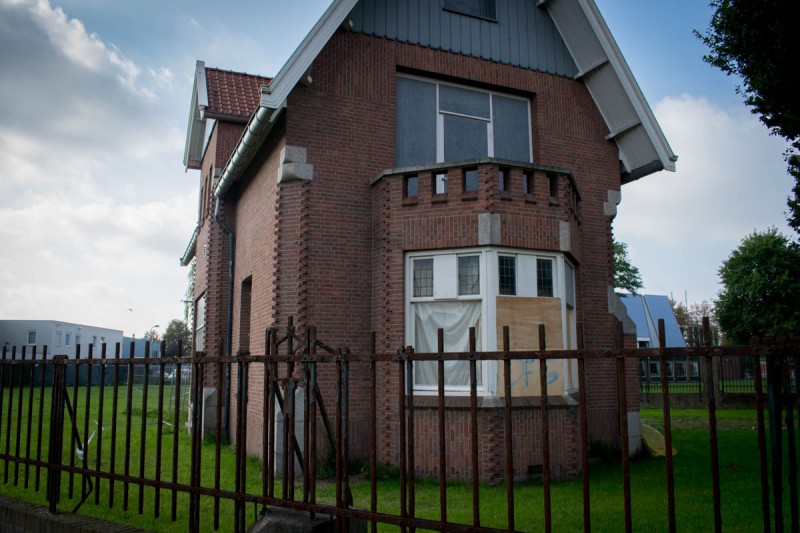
{"x": 416, "y": 165}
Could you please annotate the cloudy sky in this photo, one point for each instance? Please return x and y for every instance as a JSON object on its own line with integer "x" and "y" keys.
{"x": 95, "y": 206}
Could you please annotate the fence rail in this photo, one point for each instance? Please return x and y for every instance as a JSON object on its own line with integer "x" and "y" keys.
{"x": 117, "y": 433}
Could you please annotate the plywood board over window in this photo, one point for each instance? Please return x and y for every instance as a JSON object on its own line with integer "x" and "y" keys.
{"x": 523, "y": 316}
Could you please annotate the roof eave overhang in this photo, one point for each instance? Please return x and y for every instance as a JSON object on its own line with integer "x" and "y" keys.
{"x": 191, "y": 248}
{"x": 275, "y": 95}
{"x": 643, "y": 146}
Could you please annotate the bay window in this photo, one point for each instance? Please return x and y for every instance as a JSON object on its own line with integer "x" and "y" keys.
{"x": 456, "y": 290}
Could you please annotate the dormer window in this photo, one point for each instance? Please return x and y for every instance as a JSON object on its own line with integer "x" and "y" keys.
{"x": 486, "y": 9}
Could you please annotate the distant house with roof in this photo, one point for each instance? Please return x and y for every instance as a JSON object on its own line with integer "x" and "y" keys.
{"x": 646, "y": 310}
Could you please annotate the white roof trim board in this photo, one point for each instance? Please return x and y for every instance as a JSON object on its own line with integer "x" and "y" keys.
{"x": 643, "y": 148}
{"x": 193, "y": 150}
{"x": 642, "y": 145}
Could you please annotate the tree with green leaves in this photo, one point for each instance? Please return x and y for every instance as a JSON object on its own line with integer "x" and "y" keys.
{"x": 761, "y": 288}
{"x": 690, "y": 320}
{"x": 756, "y": 40}
{"x": 177, "y": 332}
{"x": 626, "y": 276}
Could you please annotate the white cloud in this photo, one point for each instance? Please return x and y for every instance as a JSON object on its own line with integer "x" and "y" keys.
{"x": 84, "y": 49}
{"x": 731, "y": 179}
{"x": 94, "y": 206}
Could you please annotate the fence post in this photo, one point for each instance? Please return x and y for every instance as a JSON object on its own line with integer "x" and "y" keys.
{"x": 775, "y": 405}
{"x": 55, "y": 448}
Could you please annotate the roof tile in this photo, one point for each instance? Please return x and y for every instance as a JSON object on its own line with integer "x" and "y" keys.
{"x": 233, "y": 93}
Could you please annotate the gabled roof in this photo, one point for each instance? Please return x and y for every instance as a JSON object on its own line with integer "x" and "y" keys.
{"x": 643, "y": 148}
{"x": 218, "y": 94}
{"x": 645, "y": 310}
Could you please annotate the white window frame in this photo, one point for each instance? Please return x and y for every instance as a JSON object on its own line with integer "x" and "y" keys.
{"x": 489, "y": 290}
{"x": 489, "y": 122}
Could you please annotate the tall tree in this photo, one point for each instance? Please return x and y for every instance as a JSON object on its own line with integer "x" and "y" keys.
{"x": 757, "y": 41}
{"x": 177, "y": 332}
{"x": 690, "y": 320}
{"x": 761, "y": 288}
{"x": 626, "y": 276}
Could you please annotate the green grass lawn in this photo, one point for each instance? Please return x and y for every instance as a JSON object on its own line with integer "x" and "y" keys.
{"x": 738, "y": 459}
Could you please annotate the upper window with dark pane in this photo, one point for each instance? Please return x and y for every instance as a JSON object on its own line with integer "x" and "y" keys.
{"x": 507, "y": 267}
{"x": 469, "y": 277}
{"x": 423, "y": 277}
{"x": 544, "y": 277}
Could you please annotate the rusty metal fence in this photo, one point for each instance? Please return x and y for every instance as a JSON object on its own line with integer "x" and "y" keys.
{"x": 47, "y": 430}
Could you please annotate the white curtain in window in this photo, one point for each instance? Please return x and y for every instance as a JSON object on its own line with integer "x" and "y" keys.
{"x": 455, "y": 318}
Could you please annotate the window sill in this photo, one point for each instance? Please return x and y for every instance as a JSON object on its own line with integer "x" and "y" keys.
{"x": 439, "y": 198}
{"x": 553, "y": 201}
{"x": 412, "y": 200}
{"x": 489, "y": 402}
{"x": 505, "y": 195}
{"x": 530, "y": 199}
{"x": 469, "y": 196}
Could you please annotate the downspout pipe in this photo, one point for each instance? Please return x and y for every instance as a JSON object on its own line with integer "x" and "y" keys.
{"x": 229, "y": 327}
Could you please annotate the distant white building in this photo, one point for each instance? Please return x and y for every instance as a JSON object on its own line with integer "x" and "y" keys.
{"x": 61, "y": 338}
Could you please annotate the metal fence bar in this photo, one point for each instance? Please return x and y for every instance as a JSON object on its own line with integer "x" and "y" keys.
{"x": 791, "y": 446}
{"x": 473, "y": 425}
{"x": 373, "y": 435}
{"x": 338, "y": 448}
{"x": 266, "y": 427}
{"x": 41, "y": 413}
{"x": 623, "y": 430}
{"x": 712, "y": 429}
{"x": 762, "y": 443}
{"x": 548, "y": 520}
{"x": 218, "y": 432}
{"x": 30, "y": 416}
{"x": 8, "y": 417}
{"x": 7, "y": 466}
{"x": 776, "y": 438}
{"x": 305, "y": 370}
{"x": 86, "y": 415}
{"x": 667, "y": 416}
{"x": 441, "y": 426}
{"x": 509, "y": 430}
{"x": 584, "y": 435}
{"x": 143, "y": 431}
{"x": 20, "y": 392}
{"x": 100, "y": 406}
{"x": 128, "y": 419}
{"x": 175, "y": 425}
{"x": 402, "y": 421}
{"x": 312, "y": 416}
{"x": 412, "y": 478}
{"x": 56, "y": 445}
{"x": 74, "y": 421}
{"x": 159, "y": 432}
{"x": 345, "y": 443}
